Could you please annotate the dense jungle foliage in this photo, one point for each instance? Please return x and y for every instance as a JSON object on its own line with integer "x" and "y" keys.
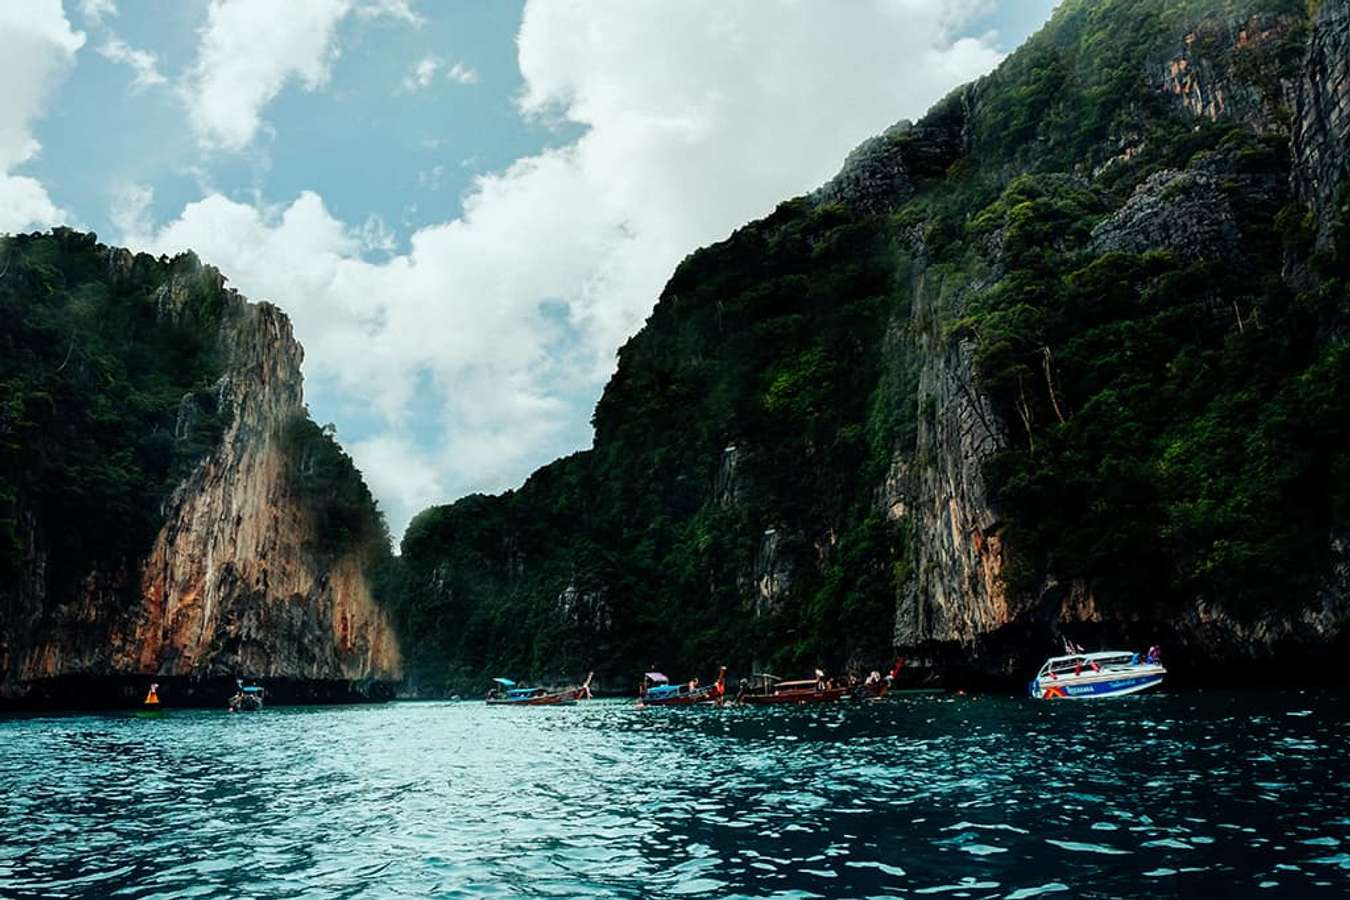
{"x": 92, "y": 380}
{"x": 110, "y": 380}
{"x": 627, "y": 551}
{"x": 346, "y": 515}
{"x": 1175, "y": 422}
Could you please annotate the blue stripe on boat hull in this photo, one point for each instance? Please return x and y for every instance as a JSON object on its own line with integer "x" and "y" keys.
{"x": 1116, "y": 687}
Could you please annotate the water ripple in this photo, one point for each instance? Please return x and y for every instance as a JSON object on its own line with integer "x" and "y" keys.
{"x": 1203, "y": 794}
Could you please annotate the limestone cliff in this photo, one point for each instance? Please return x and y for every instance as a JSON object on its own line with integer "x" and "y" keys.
{"x": 1321, "y": 127}
{"x": 1067, "y": 356}
{"x": 237, "y": 578}
{"x": 1276, "y": 73}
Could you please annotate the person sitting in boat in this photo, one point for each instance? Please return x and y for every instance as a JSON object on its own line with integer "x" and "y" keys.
{"x": 693, "y": 685}
{"x": 820, "y": 680}
{"x": 873, "y": 679}
{"x": 1154, "y": 656}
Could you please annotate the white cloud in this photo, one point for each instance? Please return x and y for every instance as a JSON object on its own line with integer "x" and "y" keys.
{"x": 432, "y": 179}
{"x": 397, "y": 471}
{"x": 39, "y": 48}
{"x": 25, "y": 206}
{"x": 142, "y": 62}
{"x": 249, "y": 50}
{"x": 398, "y": 10}
{"x": 424, "y": 71}
{"x": 464, "y": 74}
{"x": 130, "y": 213}
{"x": 421, "y": 75}
{"x": 94, "y": 11}
{"x": 696, "y": 118}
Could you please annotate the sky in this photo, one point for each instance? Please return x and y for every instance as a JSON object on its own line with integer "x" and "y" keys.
{"x": 465, "y": 206}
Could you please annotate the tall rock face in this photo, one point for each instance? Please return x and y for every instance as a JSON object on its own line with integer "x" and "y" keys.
{"x": 1065, "y": 358}
{"x": 225, "y": 562}
{"x": 1321, "y": 128}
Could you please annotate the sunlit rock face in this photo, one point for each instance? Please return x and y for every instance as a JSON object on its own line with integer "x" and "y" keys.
{"x": 236, "y": 582}
{"x": 1210, "y": 71}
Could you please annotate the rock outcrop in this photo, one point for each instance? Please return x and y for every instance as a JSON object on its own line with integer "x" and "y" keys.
{"x": 236, "y": 582}
{"x": 1181, "y": 211}
{"x": 883, "y": 172}
{"x": 1209, "y": 75}
{"x": 1321, "y": 128}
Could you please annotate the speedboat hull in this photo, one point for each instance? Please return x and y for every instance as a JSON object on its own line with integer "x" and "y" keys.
{"x": 1099, "y": 685}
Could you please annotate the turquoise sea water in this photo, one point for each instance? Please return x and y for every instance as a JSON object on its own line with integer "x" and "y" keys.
{"x": 1202, "y": 794}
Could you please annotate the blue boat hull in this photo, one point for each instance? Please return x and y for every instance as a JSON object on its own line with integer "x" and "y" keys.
{"x": 1116, "y": 687}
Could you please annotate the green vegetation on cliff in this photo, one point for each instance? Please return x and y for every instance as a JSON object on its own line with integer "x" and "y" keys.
{"x": 1145, "y": 305}
{"x": 129, "y": 387}
{"x": 631, "y": 550}
{"x": 93, "y": 377}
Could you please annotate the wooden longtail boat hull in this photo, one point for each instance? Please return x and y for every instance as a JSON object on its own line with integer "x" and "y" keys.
{"x": 664, "y": 695}
{"x": 827, "y": 696}
{"x": 707, "y": 695}
{"x": 546, "y": 700}
{"x": 532, "y": 697}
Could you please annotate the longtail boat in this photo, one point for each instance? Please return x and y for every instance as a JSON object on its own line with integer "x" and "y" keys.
{"x": 658, "y": 691}
{"x": 875, "y": 687}
{"x": 508, "y": 693}
{"x": 248, "y": 698}
{"x": 764, "y": 689}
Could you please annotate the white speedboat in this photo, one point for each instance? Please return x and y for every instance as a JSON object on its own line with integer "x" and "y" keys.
{"x": 1080, "y": 676}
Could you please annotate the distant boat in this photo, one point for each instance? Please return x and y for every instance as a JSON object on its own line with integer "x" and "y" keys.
{"x": 511, "y": 694}
{"x": 248, "y": 698}
{"x": 874, "y": 687}
{"x": 763, "y": 689}
{"x": 660, "y": 692}
{"x": 1081, "y": 676}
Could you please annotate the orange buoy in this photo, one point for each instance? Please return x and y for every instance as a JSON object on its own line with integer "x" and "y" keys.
{"x": 152, "y": 698}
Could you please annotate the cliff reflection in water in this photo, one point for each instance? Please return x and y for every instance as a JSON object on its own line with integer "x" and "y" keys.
{"x": 1208, "y": 794}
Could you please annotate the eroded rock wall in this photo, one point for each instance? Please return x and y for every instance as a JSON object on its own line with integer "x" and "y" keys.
{"x": 1321, "y": 127}
{"x": 234, "y": 584}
